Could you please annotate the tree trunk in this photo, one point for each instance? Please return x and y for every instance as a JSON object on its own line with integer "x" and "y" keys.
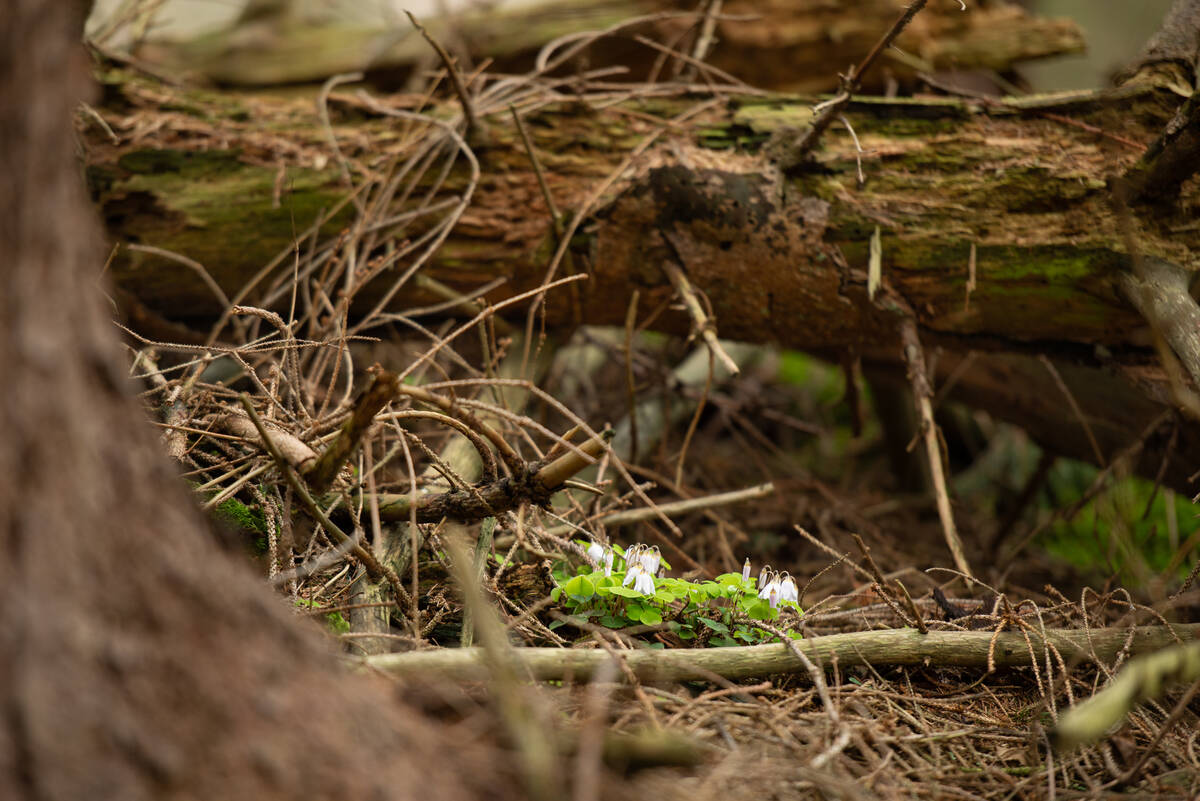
{"x": 1018, "y": 188}
{"x": 136, "y": 661}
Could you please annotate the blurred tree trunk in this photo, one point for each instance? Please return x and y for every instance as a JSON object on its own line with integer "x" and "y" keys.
{"x": 136, "y": 661}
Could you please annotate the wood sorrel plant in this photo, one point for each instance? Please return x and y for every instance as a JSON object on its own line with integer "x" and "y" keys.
{"x": 622, "y": 589}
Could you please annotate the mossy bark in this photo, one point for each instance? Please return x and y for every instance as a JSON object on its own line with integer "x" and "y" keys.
{"x": 1023, "y": 185}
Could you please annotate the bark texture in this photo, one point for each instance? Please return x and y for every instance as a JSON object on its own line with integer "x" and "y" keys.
{"x": 136, "y": 661}
{"x": 882, "y": 647}
{"x": 1020, "y": 189}
{"x": 1177, "y": 40}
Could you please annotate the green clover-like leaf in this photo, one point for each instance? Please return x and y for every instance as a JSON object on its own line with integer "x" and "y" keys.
{"x": 651, "y": 616}
{"x": 580, "y": 588}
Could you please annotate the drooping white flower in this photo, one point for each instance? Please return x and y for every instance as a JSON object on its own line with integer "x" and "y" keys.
{"x": 651, "y": 557}
{"x": 764, "y": 576}
{"x": 787, "y": 589}
{"x": 608, "y": 561}
{"x": 631, "y": 574}
{"x": 773, "y": 596}
{"x": 746, "y": 569}
{"x": 644, "y": 583}
{"x": 633, "y": 555}
{"x": 772, "y": 588}
{"x": 595, "y": 552}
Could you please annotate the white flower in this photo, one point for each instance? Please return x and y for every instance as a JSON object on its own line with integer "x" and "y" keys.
{"x": 764, "y": 576}
{"x": 644, "y": 583}
{"x": 632, "y": 555}
{"x": 772, "y": 588}
{"x": 595, "y": 552}
{"x": 773, "y": 597}
{"x": 787, "y": 589}
{"x": 631, "y": 574}
{"x": 746, "y": 569}
{"x": 608, "y": 561}
{"x": 650, "y": 558}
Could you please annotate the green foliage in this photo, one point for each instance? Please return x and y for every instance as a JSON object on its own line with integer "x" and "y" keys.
{"x": 336, "y": 622}
{"x": 715, "y": 612}
{"x": 238, "y": 515}
{"x": 821, "y": 378}
{"x": 1123, "y": 532}
{"x": 818, "y": 396}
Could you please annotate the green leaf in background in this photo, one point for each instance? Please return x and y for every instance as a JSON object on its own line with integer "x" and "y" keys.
{"x": 715, "y": 625}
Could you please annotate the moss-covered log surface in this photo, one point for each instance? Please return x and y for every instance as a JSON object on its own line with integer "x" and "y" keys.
{"x": 1018, "y": 191}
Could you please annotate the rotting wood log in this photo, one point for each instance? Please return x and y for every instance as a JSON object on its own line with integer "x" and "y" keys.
{"x": 789, "y": 45}
{"x": 887, "y": 647}
{"x": 229, "y": 180}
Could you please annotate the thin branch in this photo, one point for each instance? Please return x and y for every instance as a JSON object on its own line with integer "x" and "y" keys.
{"x": 830, "y": 111}
{"x": 384, "y": 388}
{"x": 374, "y": 568}
{"x": 1074, "y": 404}
{"x": 914, "y": 355}
{"x": 675, "y": 509}
{"x": 886, "y": 647}
{"x": 701, "y": 322}
{"x": 529, "y": 485}
{"x": 539, "y": 173}
{"x": 455, "y": 77}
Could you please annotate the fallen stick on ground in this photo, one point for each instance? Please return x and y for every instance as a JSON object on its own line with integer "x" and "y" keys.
{"x": 1149, "y": 677}
{"x": 886, "y": 647}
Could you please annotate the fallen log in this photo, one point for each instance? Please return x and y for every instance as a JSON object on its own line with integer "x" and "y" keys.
{"x": 1008, "y": 198}
{"x": 977, "y": 649}
{"x": 789, "y": 45}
